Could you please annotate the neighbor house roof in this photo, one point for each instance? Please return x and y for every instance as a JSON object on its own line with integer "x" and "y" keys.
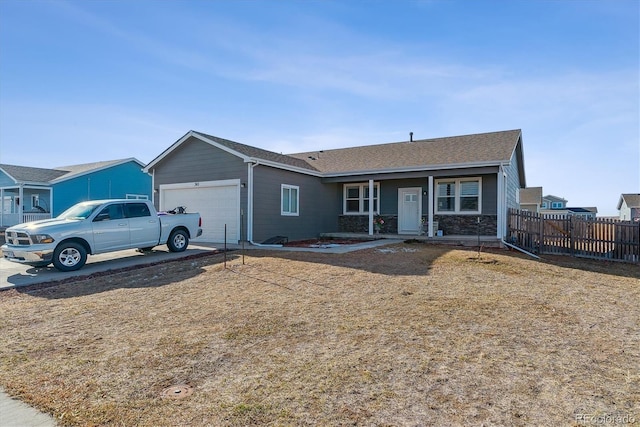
{"x": 632, "y": 200}
{"x": 42, "y": 176}
{"x": 554, "y": 198}
{"x": 485, "y": 149}
{"x": 25, "y": 174}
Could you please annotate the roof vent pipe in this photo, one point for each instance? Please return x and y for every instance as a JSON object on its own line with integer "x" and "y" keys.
{"x": 410, "y": 136}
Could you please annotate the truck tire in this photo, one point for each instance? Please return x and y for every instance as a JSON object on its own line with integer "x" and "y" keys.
{"x": 178, "y": 241}
{"x": 69, "y": 256}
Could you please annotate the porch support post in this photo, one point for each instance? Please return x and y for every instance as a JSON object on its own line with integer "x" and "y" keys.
{"x": 21, "y": 206}
{"x": 370, "y": 207}
{"x": 431, "y": 196}
{"x": 1, "y": 207}
{"x": 51, "y": 215}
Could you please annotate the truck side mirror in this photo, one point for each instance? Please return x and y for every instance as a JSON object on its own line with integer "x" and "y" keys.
{"x": 102, "y": 216}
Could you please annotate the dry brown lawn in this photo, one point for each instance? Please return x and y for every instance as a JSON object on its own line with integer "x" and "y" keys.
{"x": 407, "y": 335}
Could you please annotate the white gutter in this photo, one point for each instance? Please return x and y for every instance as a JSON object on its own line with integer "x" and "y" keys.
{"x": 250, "y": 167}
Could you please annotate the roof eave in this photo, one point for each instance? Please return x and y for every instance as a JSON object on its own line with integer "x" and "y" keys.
{"x": 283, "y": 166}
{"x": 417, "y": 168}
{"x": 71, "y": 175}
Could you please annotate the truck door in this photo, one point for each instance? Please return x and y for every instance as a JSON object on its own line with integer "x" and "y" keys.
{"x": 111, "y": 229}
{"x": 144, "y": 228}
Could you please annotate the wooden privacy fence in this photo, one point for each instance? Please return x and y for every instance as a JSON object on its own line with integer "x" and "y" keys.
{"x": 607, "y": 239}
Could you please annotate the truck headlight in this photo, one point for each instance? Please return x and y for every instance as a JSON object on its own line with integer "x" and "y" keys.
{"x": 41, "y": 238}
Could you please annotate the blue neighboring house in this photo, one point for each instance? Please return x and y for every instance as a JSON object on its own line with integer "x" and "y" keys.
{"x": 29, "y": 194}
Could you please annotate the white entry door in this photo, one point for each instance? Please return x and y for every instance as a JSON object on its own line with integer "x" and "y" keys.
{"x": 409, "y": 210}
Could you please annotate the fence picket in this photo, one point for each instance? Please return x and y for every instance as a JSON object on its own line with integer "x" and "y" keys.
{"x": 599, "y": 238}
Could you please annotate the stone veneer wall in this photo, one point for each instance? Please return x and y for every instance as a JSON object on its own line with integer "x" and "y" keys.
{"x": 467, "y": 225}
{"x": 360, "y": 224}
{"x": 456, "y": 225}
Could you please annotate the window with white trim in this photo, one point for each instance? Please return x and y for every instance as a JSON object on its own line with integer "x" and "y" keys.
{"x": 290, "y": 202}
{"x": 137, "y": 196}
{"x": 356, "y": 198}
{"x": 462, "y": 195}
{"x": 556, "y": 205}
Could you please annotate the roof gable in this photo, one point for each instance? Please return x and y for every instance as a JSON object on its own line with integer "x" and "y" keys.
{"x": 26, "y": 174}
{"x": 42, "y": 176}
{"x": 632, "y": 200}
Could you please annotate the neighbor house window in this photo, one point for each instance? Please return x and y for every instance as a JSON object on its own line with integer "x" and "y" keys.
{"x": 137, "y": 196}
{"x": 290, "y": 202}
{"x": 556, "y": 205}
{"x": 458, "y": 195}
{"x": 544, "y": 205}
{"x": 356, "y": 198}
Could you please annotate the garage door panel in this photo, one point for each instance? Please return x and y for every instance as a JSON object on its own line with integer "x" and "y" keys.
{"x": 217, "y": 205}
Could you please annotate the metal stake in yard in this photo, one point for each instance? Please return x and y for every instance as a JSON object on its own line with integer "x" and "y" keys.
{"x": 242, "y": 233}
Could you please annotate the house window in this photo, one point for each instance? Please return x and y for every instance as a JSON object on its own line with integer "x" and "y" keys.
{"x": 544, "y": 205}
{"x": 459, "y": 195}
{"x": 290, "y": 202}
{"x": 556, "y": 205}
{"x": 356, "y": 198}
{"x": 137, "y": 196}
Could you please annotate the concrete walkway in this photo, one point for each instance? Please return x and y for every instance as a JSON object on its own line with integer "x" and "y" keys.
{"x": 14, "y": 413}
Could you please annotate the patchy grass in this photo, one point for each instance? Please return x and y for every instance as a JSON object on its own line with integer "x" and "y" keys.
{"x": 412, "y": 335}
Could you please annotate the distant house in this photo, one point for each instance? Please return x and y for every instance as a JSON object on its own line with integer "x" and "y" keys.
{"x": 553, "y": 202}
{"x": 557, "y": 206}
{"x": 531, "y": 199}
{"x": 461, "y": 185}
{"x": 28, "y": 194}
{"x": 629, "y": 207}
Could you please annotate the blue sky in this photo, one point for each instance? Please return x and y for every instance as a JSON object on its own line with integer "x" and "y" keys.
{"x": 83, "y": 81}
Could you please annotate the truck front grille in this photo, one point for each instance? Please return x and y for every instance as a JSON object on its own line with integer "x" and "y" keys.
{"x": 18, "y": 238}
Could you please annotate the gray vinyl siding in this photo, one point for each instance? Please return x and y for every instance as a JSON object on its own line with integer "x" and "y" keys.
{"x": 318, "y": 206}
{"x": 513, "y": 184}
{"x": 198, "y": 161}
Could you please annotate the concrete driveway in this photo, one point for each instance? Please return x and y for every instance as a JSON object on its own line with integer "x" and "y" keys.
{"x": 14, "y": 275}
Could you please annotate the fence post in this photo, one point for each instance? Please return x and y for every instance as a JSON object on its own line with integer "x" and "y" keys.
{"x": 541, "y": 248}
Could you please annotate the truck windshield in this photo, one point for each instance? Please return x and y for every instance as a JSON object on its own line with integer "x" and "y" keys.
{"x": 79, "y": 211}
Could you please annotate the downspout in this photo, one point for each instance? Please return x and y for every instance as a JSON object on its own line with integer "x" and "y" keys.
{"x": 501, "y": 202}
{"x": 153, "y": 187}
{"x": 250, "y": 167}
{"x": 21, "y": 205}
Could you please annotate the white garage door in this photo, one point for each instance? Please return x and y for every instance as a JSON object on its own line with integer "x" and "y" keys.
{"x": 218, "y": 203}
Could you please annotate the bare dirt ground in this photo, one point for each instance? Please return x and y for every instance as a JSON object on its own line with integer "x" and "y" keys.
{"x": 410, "y": 334}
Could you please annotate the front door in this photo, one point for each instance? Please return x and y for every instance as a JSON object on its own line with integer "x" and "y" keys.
{"x": 409, "y": 210}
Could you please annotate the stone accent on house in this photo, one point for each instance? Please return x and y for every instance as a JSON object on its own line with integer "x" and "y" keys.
{"x": 451, "y": 225}
{"x": 360, "y": 224}
{"x": 467, "y": 225}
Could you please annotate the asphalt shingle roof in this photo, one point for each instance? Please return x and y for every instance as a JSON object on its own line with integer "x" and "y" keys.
{"x": 29, "y": 174}
{"x": 46, "y": 176}
{"x": 633, "y": 200}
{"x": 493, "y": 147}
{"x": 259, "y": 153}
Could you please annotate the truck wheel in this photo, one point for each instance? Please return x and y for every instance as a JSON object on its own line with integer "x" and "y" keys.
{"x": 69, "y": 256}
{"x": 178, "y": 241}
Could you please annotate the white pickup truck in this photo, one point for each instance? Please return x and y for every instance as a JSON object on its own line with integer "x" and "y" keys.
{"x": 96, "y": 227}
